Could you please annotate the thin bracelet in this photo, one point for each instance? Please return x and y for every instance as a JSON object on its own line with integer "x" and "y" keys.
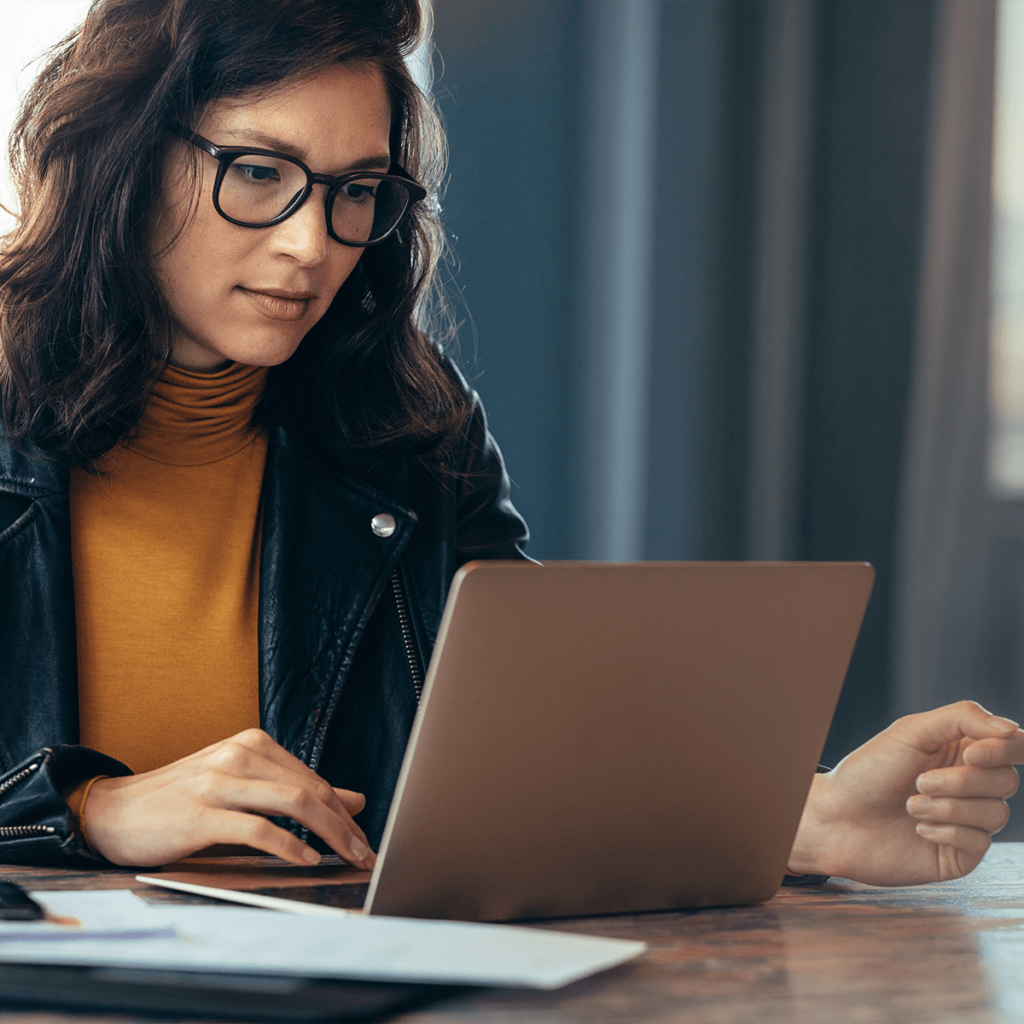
{"x": 81, "y": 813}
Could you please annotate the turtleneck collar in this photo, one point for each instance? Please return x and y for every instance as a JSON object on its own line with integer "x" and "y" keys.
{"x": 192, "y": 419}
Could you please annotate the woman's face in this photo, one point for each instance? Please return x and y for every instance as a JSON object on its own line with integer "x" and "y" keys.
{"x": 249, "y": 295}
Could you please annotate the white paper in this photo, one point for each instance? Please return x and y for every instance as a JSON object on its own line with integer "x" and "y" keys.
{"x": 108, "y": 915}
{"x": 371, "y": 948}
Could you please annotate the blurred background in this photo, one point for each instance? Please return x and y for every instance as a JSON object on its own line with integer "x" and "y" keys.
{"x": 739, "y": 279}
{"x": 727, "y": 282}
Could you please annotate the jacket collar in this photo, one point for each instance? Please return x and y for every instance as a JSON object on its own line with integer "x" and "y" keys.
{"x": 28, "y": 477}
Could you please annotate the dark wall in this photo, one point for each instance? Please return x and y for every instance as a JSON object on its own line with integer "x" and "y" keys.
{"x": 682, "y": 324}
{"x": 510, "y": 88}
{"x": 506, "y": 85}
{"x": 874, "y": 62}
{"x": 509, "y": 84}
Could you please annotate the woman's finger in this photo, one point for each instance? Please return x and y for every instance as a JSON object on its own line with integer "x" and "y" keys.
{"x": 238, "y": 828}
{"x": 243, "y": 759}
{"x": 931, "y": 730}
{"x": 264, "y": 746}
{"x": 354, "y": 802}
{"x": 989, "y": 815}
{"x": 969, "y": 781}
{"x": 996, "y": 751}
{"x": 289, "y": 799}
{"x": 971, "y": 842}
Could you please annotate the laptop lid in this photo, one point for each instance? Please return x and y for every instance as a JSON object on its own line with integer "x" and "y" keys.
{"x": 600, "y": 738}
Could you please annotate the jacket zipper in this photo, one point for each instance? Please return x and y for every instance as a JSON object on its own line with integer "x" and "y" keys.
{"x": 21, "y": 831}
{"x": 407, "y": 637}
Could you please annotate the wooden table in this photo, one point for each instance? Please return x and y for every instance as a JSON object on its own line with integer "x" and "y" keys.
{"x": 845, "y": 953}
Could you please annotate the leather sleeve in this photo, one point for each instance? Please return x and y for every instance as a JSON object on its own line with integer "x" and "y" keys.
{"x": 805, "y": 879}
{"x": 36, "y": 824}
{"x": 489, "y": 525}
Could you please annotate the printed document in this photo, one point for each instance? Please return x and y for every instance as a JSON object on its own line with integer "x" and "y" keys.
{"x": 237, "y": 939}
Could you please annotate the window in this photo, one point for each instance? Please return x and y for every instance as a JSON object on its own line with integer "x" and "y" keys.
{"x": 29, "y": 28}
{"x": 1006, "y": 454}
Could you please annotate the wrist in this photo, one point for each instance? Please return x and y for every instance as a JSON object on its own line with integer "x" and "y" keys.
{"x": 81, "y": 819}
{"x": 811, "y": 853}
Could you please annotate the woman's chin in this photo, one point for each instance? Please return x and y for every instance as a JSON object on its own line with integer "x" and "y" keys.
{"x": 199, "y": 357}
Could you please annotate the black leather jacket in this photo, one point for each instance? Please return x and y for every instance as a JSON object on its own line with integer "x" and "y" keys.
{"x": 339, "y": 655}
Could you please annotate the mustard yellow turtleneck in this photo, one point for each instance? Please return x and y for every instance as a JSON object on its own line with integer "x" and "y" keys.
{"x": 165, "y": 550}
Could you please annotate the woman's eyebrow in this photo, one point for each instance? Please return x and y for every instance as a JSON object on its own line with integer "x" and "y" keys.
{"x": 265, "y": 141}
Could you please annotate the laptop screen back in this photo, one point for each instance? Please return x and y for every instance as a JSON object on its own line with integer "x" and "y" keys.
{"x": 600, "y": 738}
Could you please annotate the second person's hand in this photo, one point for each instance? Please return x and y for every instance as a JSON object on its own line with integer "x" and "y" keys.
{"x": 917, "y": 803}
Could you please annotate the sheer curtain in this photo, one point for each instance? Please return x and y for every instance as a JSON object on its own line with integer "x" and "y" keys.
{"x": 817, "y": 277}
{"x": 945, "y": 513}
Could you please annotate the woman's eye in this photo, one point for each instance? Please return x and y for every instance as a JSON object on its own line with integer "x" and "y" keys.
{"x": 256, "y": 172}
{"x": 359, "y": 192}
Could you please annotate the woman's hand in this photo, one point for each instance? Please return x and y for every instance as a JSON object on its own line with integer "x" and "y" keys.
{"x": 917, "y": 803}
{"x": 221, "y": 794}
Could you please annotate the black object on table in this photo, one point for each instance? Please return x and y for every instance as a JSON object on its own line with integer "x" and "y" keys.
{"x": 17, "y": 905}
{"x": 211, "y": 996}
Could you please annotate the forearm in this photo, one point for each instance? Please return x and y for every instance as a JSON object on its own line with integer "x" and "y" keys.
{"x": 811, "y": 853}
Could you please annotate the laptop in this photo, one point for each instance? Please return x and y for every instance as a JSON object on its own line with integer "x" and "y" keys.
{"x": 600, "y": 738}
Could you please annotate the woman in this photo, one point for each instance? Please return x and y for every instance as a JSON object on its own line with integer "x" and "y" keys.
{"x": 238, "y": 475}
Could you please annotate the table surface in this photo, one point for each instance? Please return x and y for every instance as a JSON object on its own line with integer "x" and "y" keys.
{"x": 844, "y": 952}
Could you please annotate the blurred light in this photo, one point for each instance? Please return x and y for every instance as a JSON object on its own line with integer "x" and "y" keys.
{"x": 29, "y": 28}
{"x": 1006, "y": 451}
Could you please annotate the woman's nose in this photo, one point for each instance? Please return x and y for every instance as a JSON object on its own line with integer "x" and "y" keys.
{"x": 303, "y": 236}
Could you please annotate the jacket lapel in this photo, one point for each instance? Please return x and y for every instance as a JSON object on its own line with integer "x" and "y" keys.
{"x": 322, "y": 571}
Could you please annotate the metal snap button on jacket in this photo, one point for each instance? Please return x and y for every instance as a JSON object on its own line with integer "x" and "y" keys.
{"x": 383, "y": 524}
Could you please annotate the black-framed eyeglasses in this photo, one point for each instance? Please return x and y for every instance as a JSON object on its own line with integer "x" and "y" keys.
{"x": 257, "y": 188}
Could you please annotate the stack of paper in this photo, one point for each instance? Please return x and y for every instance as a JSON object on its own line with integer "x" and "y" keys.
{"x": 205, "y": 938}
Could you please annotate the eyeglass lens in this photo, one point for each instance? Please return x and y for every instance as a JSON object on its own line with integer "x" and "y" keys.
{"x": 256, "y": 189}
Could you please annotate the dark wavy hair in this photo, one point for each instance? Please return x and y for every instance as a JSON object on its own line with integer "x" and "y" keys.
{"x": 84, "y": 328}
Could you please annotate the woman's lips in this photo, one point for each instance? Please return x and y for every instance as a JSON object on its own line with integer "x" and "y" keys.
{"x": 278, "y": 307}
